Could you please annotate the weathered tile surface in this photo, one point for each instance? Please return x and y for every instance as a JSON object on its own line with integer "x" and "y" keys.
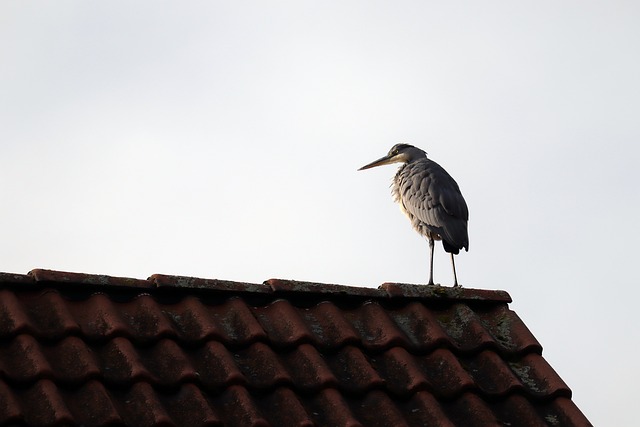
{"x": 94, "y": 350}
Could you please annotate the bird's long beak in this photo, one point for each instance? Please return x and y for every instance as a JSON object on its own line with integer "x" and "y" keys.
{"x": 381, "y": 161}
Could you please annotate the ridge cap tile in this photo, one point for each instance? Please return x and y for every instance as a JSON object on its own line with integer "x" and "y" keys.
{"x": 171, "y": 281}
{"x": 44, "y": 275}
{"x": 15, "y": 278}
{"x": 299, "y": 286}
{"x": 409, "y": 290}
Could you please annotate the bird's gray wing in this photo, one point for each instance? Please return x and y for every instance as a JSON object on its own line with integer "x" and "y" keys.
{"x": 429, "y": 193}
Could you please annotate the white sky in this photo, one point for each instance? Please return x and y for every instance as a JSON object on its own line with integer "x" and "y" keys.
{"x": 221, "y": 140}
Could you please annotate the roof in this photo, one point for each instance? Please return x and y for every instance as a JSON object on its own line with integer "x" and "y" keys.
{"x": 93, "y": 350}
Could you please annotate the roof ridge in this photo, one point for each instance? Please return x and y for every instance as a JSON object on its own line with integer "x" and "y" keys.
{"x": 388, "y": 290}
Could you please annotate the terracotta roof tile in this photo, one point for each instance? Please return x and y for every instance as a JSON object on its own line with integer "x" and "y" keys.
{"x": 216, "y": 367}
{"x": 240, "y": 408}
{"x": 10, "y": 409}
{"x": 284, "y": 409}
{"x": 95, "y": 350}
{"x": 330, "y": 406}
{"x": 168, "y": 363}
{"x": 538, "y": 377}
{"x": 329, "y": 326}
{"x": 239, "y": 325}
{"x": 472, "y": 411}
{"x": 283, "y": 324}
{"x": 420, "y": 326}
{"x": 72, "y": 361}
{"x": 49, "y": 315}
{"x": 45, "y": 405}
{"x": 309, "y": 369}
{"x": 121, "y": 363}
{"x": 423, "y": 409}
{"x": 354, "y": 373}
{"x": 141, "y": 406}
{"x": 508, "y": 331}
{"x": 190, "y": 407}
{"x": 383, "y": 404}
{"x": 563, "y": 412}
{"x": 465, "y": 329}
{"x": 22, "y": 361}
{"x": 376, "y": 329}
{"x": 491, "y": 374}
{"x": 92, "y": 405}
{"x": 261, "y": 367}
{"x": 100, "y": 319}
{"x": 402, "y": 370}
{"x": 193, "y": 322}
{"x": 13, "y": 318}
{"x": 446, "y": 376}
{"x": 518, "y": 407}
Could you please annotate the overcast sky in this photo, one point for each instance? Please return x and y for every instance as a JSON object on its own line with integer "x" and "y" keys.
{"x": 221, "y": 140}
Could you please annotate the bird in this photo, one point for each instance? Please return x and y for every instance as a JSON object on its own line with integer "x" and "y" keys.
{"x": 431, "y": 199}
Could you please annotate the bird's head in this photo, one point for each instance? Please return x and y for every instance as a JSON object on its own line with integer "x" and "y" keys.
{"x": 399, "y": 153}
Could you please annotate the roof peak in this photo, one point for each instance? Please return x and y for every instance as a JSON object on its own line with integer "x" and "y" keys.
{"x": 387, "y": 290}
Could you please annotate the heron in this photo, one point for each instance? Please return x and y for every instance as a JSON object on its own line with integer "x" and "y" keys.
{"x": 431, "y": 199}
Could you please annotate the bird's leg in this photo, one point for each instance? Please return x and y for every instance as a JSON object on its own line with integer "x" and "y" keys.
{"x": 455, "y": 278}
{"x": 430, "y": 260}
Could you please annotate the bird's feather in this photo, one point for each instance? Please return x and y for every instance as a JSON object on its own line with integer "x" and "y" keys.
{"x": 433, "y": 201}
